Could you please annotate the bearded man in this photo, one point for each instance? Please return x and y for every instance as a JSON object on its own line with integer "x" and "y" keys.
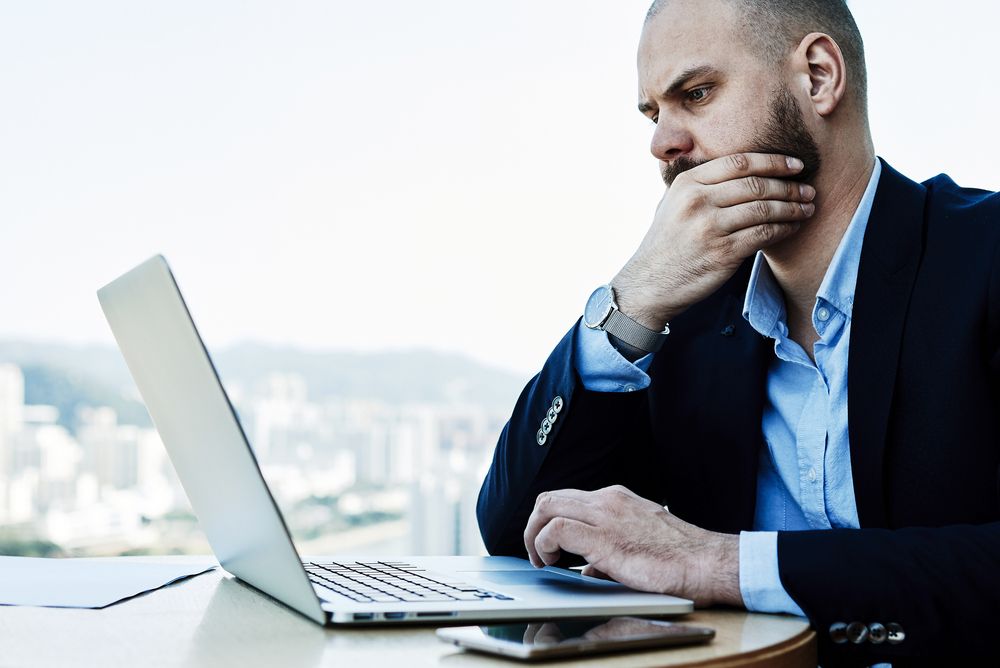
{"x": 786, "y": 400}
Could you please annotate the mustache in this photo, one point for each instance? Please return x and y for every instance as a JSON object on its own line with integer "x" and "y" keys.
{"x": 671, "y": 170}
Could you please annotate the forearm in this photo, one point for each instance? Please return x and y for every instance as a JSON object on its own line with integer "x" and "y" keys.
{"x": 594, "y": 442}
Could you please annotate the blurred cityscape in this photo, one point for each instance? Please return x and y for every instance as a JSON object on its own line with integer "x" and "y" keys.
{"x": 389, "y": 474}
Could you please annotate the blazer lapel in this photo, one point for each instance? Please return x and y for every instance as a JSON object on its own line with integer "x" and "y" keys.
{"x": 890, "y": 258}
{"x": 740, "y": 356}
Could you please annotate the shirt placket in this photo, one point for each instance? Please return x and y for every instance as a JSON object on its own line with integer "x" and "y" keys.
{"x": 828, "y": 322}
{"x": 810, "y": 434}
{"x": 810, "y": 439}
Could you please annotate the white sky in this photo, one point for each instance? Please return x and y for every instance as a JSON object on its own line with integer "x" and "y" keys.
{"x": 335, "y": 174}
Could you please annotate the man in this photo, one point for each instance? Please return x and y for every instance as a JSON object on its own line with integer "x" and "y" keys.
{"x": 783, "y": 255}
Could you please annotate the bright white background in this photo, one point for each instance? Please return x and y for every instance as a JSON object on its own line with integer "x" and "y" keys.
{"x": 366, "y": 175}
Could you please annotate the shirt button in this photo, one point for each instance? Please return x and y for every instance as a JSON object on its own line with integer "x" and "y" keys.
{"x": 630, "y": 388}
{"x": 812, "y": 475}
{"x": 823, "y": 314}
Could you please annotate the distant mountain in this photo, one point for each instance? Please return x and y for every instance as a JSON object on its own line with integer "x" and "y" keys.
{"x": 100, "y": 364}
{"x": 71, "y": 390}
{"x": 73, "y": 376}
{"x": 397, "y": 376}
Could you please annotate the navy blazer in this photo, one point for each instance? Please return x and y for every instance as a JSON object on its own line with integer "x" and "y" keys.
{"x": 923, "y": 390}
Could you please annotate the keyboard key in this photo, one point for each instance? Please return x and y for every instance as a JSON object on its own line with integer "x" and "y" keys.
{"x": 411, "y": 598}
{"x": 333, "y": 595}
{"x": 465, "y": 596}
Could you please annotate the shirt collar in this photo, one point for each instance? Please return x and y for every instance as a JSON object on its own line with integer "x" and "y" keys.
{"x": 764, "y": 305}
{"x": 841, "y": 277}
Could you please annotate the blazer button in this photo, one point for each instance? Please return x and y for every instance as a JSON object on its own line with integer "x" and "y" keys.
{"x": 857, "y": 632}
{"x": 838, "y": 633}
{"x": 546, "y": 426}
{"x": 877, "y": 633}
{"x": 552, "y": 415}
{"x": 540, "y": 437}
{"x": 896, "y": 634}
{"x": 557, "y": 404}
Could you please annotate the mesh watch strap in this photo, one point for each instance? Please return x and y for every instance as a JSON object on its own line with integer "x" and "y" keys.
{"x": 628, "y": 330}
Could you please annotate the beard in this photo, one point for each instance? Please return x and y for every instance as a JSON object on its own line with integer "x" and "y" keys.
{"x": 784, "y": 133}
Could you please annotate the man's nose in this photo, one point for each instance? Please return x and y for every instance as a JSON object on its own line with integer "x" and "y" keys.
{"x": 670, "y": 140}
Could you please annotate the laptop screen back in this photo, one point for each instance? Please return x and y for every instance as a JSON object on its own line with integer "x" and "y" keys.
{"x": 202, "y": 434}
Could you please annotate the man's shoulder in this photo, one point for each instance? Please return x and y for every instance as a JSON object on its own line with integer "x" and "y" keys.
{"x": 948, "y": 201}
{"x": 961, "y": 229}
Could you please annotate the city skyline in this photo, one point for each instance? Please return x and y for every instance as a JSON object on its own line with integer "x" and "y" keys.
{"x": 349, "y": 474}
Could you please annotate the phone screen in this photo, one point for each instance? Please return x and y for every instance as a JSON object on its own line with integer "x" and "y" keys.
{"x": 547, "y": 639}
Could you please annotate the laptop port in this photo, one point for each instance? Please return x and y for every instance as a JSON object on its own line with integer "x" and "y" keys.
{"x": 360, "y": 616}
{"x": 394, "y": 615}
{"x": 435, "y": 614}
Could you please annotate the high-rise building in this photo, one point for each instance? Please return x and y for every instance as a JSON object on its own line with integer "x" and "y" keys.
{"x": 11, "y": 399}
{"x": 11, "y": 411}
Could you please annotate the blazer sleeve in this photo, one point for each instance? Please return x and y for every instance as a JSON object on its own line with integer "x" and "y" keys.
{"x": 598, "y": 439}
{"x": 936, "y": 590}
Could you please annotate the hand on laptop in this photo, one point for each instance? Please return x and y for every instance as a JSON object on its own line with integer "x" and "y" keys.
{"x": 636, "y": 542}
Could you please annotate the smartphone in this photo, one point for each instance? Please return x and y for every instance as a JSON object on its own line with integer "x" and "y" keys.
{"x": 546, "y": 640}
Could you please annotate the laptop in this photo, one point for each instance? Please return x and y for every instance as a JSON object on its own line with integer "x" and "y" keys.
{"x": 247, "y": 532}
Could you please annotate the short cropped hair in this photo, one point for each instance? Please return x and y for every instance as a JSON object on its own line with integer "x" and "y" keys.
{"x": 775, "y": 27}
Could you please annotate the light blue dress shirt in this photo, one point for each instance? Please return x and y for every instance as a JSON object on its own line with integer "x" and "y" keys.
{"x": 804, "y": 478}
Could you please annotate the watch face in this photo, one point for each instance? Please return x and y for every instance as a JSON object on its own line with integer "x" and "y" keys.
{"x": 599, "y": 307}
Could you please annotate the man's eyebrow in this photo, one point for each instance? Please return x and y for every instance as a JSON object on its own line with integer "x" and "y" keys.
{"x": 679, "y": 82}
{"x": 684, "y": 77}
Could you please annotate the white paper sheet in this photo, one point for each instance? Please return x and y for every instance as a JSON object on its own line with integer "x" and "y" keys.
{"x": 86, "y": 583}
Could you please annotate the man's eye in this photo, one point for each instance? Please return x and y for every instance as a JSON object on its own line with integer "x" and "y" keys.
{"x": 655, "y": 119}
{"x": 698, "y": 94}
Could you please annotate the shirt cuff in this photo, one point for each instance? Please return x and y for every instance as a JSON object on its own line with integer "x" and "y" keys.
{"x": 602, "y": 368}
{"x": 760, "y": 583}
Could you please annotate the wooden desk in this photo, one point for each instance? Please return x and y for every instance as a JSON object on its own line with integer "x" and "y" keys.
{"x": 214, "y": 620}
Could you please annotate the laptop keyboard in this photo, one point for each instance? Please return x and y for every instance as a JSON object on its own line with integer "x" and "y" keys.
{"x": 392, "y": 581}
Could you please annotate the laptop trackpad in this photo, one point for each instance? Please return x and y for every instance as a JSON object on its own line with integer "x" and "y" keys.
{"x": 540, "y": 577}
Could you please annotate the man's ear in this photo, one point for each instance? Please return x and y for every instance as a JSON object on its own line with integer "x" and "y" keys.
{"x": 820, "y": 61}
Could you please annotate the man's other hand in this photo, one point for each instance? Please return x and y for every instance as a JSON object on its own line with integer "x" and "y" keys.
{"x": 635, "y": 542}
{"x": 712, "y": 218}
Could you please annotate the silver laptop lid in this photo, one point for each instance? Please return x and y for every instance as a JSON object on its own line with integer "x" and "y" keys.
{"x": 202, "y": 434}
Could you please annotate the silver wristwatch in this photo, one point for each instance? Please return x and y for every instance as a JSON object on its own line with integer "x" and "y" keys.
{"x": 602, "y": 313}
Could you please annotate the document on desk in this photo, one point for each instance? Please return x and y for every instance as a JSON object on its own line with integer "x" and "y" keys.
{"x": 89, "y": 582}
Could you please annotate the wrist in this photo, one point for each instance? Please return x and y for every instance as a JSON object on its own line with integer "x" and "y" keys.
{"x": 633, "y": 302}
{"x": 603, "y": 312}
{"x": 723, "y": 575}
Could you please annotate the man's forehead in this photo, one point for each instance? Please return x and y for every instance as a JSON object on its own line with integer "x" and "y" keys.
{"x": 682, "y": 36}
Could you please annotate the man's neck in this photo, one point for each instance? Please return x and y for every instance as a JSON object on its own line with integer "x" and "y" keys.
{"x": 800, "y": 262}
